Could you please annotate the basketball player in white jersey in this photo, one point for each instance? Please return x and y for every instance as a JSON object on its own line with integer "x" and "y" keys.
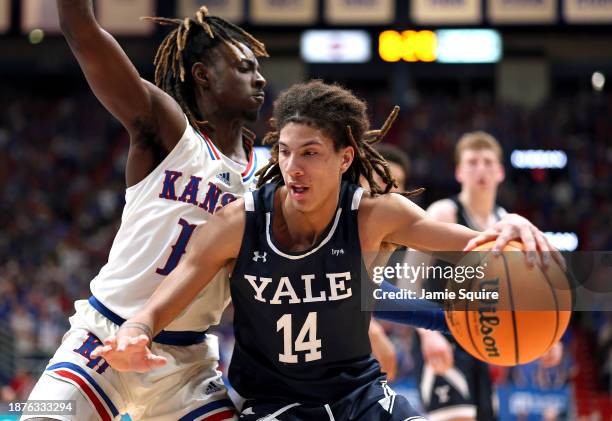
{"x": 189, "y": 156}
{"x": 455, "y": 386}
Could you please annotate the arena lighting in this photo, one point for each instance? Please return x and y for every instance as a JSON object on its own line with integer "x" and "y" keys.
{"x": 598, "y": 80}
{"x": 532, "y": 159}
{"x": 564, "y": 241}
{"x": 36, "y": 36}
{"x": 443, "y": 46}
{"x": 469, "y": 46}
{"x": 335, "y": 46}
{"x": 407, "y": 45}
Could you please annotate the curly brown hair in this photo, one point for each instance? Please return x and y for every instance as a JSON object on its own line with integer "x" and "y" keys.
{"x": 194, "y": 40}
{"x": 340, "y": 115}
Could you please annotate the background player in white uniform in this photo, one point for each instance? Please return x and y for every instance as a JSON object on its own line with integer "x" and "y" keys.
{"x": 189, "y": 156}
{"x": 454, "y": 385}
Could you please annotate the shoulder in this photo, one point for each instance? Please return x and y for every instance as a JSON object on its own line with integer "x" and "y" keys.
{"x": 385, "y": 203}
{"x": 232, "y": 212}
{"x": 386, "y": 211}
{"x": 444, "y": 210}
{"x": 226, "y": 221}
{"x": 222, "y": 234}
{"x": 169, "y": 117}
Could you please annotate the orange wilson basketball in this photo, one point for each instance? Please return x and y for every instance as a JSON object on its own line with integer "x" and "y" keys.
{"x": 529, "y": 313}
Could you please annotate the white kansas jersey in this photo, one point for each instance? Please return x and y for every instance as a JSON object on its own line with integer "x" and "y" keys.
{"x": 160, "y": 215}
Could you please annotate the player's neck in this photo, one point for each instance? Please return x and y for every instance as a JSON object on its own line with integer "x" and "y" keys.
{"x": 479, "y": 204}
{"x": 226, "y": 134}
{"x": 297, "y": 230}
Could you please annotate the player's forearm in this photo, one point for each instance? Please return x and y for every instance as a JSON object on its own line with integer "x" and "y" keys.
{"x": 442, "y": 236}
{"x": 76, "y": 18}
{"x": 171, "y": 297}
{"x": 413, "y": 312}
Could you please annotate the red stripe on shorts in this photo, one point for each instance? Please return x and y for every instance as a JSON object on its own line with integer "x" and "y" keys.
{"x": 90, "y": 393}
{"x": 219, "y": 416}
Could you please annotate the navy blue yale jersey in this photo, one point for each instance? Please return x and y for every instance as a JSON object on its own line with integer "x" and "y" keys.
{"x": 300, "y": 333}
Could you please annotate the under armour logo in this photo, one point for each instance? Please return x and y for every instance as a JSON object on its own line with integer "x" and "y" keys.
{"x": 337, "y": 252}
{"x": 257, "y": 255}
{"x": 442, "y": 392}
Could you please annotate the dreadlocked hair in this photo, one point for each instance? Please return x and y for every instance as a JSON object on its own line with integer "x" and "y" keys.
{"x": 343, "y": 117}
{"x": 193, "y": 40}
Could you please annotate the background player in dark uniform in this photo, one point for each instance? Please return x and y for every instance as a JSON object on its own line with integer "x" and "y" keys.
{"x": 297, "y": 249}
{"x": 383, "y": 348}
{"x": 455, "y": 386}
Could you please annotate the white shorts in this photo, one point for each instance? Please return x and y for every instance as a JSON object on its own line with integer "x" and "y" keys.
{"x": 187, "y": 388}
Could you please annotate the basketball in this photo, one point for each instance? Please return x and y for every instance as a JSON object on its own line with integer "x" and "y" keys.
{"x": 529, "y": 313}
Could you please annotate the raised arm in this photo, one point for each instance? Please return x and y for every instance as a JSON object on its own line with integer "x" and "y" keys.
{"x": 143, "y": 109}
{"x": 214, "y": 245}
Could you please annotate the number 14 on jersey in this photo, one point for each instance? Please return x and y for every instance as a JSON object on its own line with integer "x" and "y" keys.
{"x": 306, "y": 339}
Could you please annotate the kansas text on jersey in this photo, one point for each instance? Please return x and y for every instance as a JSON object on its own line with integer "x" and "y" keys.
{"x": 160, "y": 215}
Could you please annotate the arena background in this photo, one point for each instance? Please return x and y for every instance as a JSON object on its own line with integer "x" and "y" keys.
{"x": 539, "y": 85}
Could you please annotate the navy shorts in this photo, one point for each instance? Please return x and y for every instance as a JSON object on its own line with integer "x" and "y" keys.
{"x": 373, "y": 402}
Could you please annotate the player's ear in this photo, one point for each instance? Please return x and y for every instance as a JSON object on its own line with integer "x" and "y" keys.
{"x": 348, "y": 154}
{"x": 502, "y": 173}
{"x": 458, "y": 176}
{"x": 201, "y": 75}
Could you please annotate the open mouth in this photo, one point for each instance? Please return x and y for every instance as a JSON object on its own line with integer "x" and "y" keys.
{"x": 298, "y": 191}
{"x": 260, "y": 97}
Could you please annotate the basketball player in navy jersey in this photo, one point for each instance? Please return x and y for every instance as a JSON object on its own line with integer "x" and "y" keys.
{"x": 296, "y": 249}
{"x": 455, "y": 386}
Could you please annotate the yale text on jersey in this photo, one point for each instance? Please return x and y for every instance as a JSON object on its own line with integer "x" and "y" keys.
{"x": 285, "y": 290}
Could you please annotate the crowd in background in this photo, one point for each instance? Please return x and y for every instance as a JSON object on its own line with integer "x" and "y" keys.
{"x": 62, "y": 184}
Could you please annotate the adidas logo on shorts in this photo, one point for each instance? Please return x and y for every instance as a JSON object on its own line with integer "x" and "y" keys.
{"x": 212, "y": 388}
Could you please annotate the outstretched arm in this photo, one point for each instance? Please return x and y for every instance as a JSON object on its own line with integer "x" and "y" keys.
{"x": 407, "y": 224}
{"x": 141, "y": 107}
{"x": 400, "y": 221}
{"x": 214, "y": 245}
